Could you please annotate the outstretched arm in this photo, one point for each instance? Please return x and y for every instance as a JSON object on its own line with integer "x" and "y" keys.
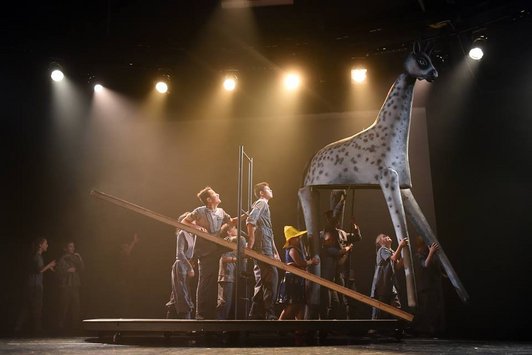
{"x": 396, "y": 256}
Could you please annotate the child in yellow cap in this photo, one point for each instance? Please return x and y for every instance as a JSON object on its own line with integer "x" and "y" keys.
{"x": 292, "y": 287}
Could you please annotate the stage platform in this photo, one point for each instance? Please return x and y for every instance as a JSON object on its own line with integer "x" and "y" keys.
{"x": 240, "y": 330}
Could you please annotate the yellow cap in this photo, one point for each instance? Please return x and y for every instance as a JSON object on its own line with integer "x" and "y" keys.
{"x": 291, "y": 232}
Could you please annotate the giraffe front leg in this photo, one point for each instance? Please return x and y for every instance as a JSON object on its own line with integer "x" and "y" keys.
{"x": 419, "y": 221}
{"x": 389, "y": 181}
{"x": 309, "y": 199}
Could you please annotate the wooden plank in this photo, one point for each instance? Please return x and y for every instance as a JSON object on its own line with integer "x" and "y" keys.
{"x": 255, "y": 255}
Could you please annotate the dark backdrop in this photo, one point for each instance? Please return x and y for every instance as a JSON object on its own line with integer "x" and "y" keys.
{"x": 478, "y": 122}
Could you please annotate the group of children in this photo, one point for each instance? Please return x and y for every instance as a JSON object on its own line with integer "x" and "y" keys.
{"x": 217, "y": 272}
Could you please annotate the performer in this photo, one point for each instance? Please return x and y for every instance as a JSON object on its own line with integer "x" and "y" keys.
{"x": 292, "y": 287}
{"x": 430, "y": 315}
{"x": 208, "y": 218}
{"x": 384, "y": 287}
{"x": 227, "y": 272}
{"x": 261, "y": 239}
{"x": 333, "y": 256}
{"x": 69, "y": 270}
{"x": 180, "y": 304}
{"x": 33, "y": 287}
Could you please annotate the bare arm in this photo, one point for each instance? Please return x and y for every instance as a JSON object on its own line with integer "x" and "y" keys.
{"x": 251, "y": 235}
{"x": 49, "y": 266}
{"x": 299, "y": 261}
{"x": 396, "y": 256}
{"x": 433, "y": 249}
{"x": 190, "y": 222}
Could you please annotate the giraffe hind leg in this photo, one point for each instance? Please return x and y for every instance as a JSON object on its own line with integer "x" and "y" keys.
{"x": 419, "y": 221}
{"x": 309, "y": 199}
{"x": 389, "y": 182}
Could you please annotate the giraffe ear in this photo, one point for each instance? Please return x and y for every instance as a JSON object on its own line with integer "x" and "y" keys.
{"x": 428, "y": 48}
{"x": 417, "y": 48}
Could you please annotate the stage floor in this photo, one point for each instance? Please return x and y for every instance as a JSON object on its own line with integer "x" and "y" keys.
{"x": 267, "y": 345}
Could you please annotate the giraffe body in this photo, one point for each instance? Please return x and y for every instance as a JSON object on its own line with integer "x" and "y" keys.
{"x": 362, "y": 158}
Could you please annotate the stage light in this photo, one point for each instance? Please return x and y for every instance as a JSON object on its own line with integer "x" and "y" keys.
{"x": 163, "y": 83}
{"x": 292, "y": 81}
{"x": 57, "y": 75}
{"x": 358, "y": 74}
{"x": 230, "y": 81}
{"x": 56, "y": 71}
{"x": 479, "y": 45}
{"x": 161, "y": 87}
{"x": 95, "y": 83}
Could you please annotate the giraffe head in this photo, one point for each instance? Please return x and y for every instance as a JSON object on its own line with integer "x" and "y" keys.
{"x": 419, "y": 65}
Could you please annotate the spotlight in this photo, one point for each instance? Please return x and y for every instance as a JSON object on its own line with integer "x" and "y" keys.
{"x": 95, "y": 83}
{"x": 56, "y": 72}
{"x": 358, "y": 74}
{"x": 163, "y": 84}
{"x": 161, "y": 87}
{"x": 477, "y": 49}
{"x": 292, "y": 81}
{"x": 230, "y": 81}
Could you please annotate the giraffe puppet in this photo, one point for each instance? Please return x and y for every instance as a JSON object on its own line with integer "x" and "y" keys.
{"x": 378, "y": 157}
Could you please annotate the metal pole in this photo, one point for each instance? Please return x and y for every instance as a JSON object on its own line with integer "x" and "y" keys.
{"x": 239, "y": 232}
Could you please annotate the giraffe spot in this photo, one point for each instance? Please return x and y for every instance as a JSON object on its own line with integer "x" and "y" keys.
{"x": 353, "y": 161}
{"x": 387, "y": 184}
{"x": 326, "y": 174}
{"x": 379, "y": 161}
{"x": 346, "y": 154}
{"x": 367, "y": 159}
{"x": 320, "y": 172}
{"x": 345, "y": 170}
{"x": 390, "y": 206}
{"x": 393, "y": 188}
{"x": 395, "y": 107}
{"x": 383, "y": 155}
{"x": 365, "y": 140}
{"x": 355, "y": 168}
{"x": 386, "y": 174}
{"x": 358, "y": 155}
{"x": 376, "y": 177}
{"x": 389, "y": 197}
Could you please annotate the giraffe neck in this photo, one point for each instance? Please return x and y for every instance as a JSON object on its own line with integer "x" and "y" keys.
{"x": 394, "y": 115}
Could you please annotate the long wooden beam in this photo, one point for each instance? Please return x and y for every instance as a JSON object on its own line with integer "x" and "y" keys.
{"x": 255, "y": 255}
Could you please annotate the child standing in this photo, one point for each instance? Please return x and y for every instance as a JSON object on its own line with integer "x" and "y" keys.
{"x": 292, "y": 287}
{"x": 384, "y": 287}
{"x": 227, "y": 272}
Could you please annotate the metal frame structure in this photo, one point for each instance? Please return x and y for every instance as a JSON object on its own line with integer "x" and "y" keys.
{"x": 241, "y": 157}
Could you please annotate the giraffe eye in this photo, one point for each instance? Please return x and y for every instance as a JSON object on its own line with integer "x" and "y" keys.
{"x": 422, "y": 62}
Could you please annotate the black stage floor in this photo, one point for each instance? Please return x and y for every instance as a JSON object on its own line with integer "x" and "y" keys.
{"x": 260, "y": 345}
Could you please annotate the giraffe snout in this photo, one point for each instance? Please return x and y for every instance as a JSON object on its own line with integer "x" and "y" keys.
{"x": 433, "y": 74}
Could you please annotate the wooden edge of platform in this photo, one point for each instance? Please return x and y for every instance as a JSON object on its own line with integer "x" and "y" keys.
{"x": 187, "y": 325}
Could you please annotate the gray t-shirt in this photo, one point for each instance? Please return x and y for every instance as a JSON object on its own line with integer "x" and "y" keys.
{"x": 212, "y": 221}
{"x": 261, "y": 219}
